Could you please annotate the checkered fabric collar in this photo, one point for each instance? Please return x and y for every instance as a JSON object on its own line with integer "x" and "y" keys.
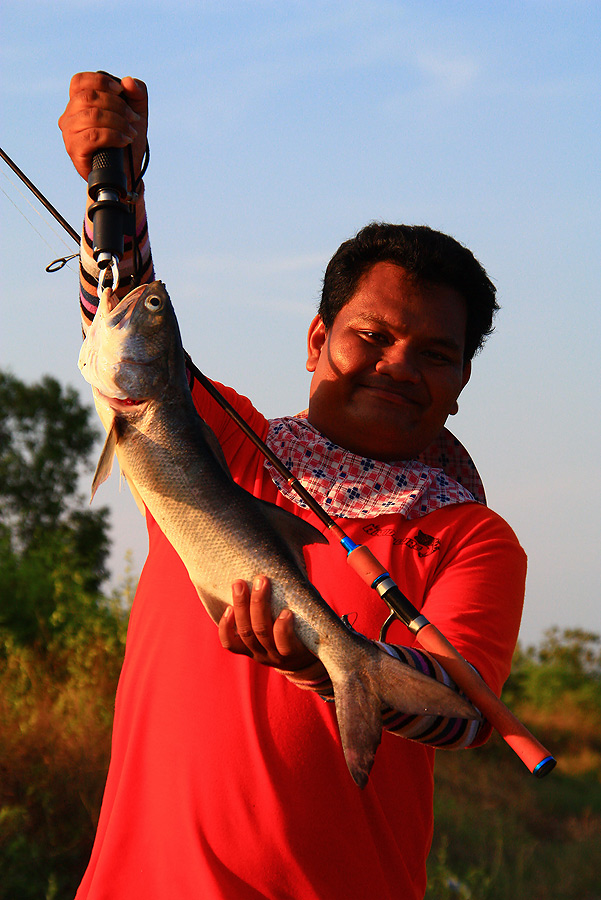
{"x": 353, "y": 487}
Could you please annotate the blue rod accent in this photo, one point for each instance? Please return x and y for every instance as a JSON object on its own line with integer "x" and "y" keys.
{"x": 544, "y": 766}
{"x": 348, "y": 544}
{"x": 380, "y": 578}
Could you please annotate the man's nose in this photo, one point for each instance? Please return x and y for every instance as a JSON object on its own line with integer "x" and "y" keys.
{"x": 399, "y": 363}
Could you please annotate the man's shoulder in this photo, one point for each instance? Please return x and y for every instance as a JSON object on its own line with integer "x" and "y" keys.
{"x": 467, "y": 520}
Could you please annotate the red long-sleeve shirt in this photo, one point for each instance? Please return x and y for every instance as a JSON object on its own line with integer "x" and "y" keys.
{"x": 226, "y": 780}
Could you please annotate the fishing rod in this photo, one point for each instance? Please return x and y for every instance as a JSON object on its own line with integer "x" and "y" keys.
{"x": 39, "y": 196}
{"x": 532, "y": 753}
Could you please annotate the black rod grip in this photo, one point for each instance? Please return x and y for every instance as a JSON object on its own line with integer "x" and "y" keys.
{"x": 107, "y": 187}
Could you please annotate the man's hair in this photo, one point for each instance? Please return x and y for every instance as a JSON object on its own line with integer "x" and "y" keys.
{"x": 429, "y": 256}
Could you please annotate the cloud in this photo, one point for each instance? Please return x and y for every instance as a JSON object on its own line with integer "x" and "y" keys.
{"x": 448, "y": 75}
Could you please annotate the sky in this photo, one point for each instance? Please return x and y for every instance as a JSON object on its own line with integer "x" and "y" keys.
{"x": 277, "y": 130}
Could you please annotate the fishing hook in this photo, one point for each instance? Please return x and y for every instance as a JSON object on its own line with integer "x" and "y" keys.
{"x": 114, "y": 270}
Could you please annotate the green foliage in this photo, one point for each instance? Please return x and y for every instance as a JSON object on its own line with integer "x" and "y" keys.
{"x": 565, "y": 663}
{"x": 51, "y": 545}
{"x": 45, "y": 434}
{"x": 55, "y": 722}
{"x": 500, "y": 833}
{"x": 61, "y": 643}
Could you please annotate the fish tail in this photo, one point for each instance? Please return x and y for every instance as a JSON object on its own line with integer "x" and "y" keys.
{"x": 382, "y": 680}
{"x": 358, "y": 711}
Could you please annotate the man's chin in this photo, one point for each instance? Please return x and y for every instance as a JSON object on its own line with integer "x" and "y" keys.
{"x": 376, "y": 430}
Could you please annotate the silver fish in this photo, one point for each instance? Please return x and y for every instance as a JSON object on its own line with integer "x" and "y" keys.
{"x": 133, "y": 358}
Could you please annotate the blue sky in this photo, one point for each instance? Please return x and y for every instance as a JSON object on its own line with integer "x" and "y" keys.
{"x": 277, "y": 130}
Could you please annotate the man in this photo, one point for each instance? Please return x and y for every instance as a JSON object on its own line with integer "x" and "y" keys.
{"x": 227, "y": 779}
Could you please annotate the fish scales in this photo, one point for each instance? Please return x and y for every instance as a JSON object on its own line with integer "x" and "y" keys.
{"x": 133, "y": 358}
{"x": 196, "y": 497}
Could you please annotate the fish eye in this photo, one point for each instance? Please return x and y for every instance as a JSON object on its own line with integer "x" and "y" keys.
{"x": 153, "y": 303}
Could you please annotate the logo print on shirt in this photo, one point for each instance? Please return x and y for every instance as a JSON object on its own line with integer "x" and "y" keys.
{"x": 423, "y": 544}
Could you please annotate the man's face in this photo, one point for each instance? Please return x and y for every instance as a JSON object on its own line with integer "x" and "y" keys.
{"x": 389, "y": 371}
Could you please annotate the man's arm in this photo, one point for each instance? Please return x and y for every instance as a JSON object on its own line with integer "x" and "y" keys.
{"x": 103, "y": 112}
{"x": 247, "y": 629}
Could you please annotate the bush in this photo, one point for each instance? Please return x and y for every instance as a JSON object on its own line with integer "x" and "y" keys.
{"x": 56, "y": 709}
{"x": 501, "y": 833}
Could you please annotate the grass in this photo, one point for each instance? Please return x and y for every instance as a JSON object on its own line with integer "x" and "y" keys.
{"x": 501, "y": 833}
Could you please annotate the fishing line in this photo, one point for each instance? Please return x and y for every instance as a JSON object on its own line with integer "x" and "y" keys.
{"x": 43, "y": 200}
{"x": 20, "y": 211}
{"x": 30, "y": 223}
{"x": 532, "y": 753}
{"x": 56, "y": 264}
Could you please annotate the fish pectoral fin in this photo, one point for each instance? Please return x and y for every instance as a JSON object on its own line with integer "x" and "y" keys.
{"x": 214, "y": 605}
{"x": 105, "y": 463}
{"x": 133, "y": 489}
{"x": 214, "y": 446}
{"x": 295, "y": 532}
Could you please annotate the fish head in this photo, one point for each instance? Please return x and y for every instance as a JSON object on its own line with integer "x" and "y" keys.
{"x": 133, "y": 350}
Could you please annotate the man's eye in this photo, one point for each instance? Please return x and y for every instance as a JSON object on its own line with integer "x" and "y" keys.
{"x": 374, "y": 337}
{"x": 440, "y": 357}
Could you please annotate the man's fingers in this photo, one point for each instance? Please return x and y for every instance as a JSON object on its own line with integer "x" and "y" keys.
{"x": 247, "y": 628}
{"x": 228, "y": 634}
{"x": 261, "y": 618}
{"x": 103, "y": 112}
{"x": 284, "y": 636}
{"x": 253, "y": 615}
{"x": 137, "y": 95}
{"x": 98, "y": 81}
{"x": 100, "y": 111}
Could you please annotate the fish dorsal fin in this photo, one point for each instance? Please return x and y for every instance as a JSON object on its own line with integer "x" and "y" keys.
{"x": 105, "y": 463}
{"x": 107, "y": 417}
{"x": 294, "y": 531}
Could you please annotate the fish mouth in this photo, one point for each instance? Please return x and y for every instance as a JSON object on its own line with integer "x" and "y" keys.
{"x": 114, "y": 307}
{"x": 120, "y": 404}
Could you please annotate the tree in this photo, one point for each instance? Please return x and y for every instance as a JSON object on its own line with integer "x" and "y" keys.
{"x": 61, "y": 641}
{"x": 50, "y": 543}
{"x": 566, "y": 663}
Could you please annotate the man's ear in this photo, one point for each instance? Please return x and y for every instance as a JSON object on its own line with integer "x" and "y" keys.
{"x": 315, "y": 341}
{"x": 467, "y": 371}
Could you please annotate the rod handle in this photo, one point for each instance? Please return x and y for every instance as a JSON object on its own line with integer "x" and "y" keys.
{"x": 532, "y": 753}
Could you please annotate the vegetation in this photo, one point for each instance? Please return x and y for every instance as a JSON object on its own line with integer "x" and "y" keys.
{"x": 499, "y": 832}
{"x": 61, "y": 642}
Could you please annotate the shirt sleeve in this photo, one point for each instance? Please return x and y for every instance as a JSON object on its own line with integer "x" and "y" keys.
{"x": 476, "y": 596}
{"x": 443, "y": 732}
{"x": 136, "y": 265}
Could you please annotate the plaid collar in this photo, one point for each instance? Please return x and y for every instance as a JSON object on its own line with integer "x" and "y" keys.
{"x": 353, "y": 487}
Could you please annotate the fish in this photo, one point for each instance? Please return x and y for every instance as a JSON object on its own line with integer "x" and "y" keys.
{"x": 134, "y": 360}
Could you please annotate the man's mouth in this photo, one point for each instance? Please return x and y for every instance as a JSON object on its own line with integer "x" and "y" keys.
{"x": 393, "y": 394}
